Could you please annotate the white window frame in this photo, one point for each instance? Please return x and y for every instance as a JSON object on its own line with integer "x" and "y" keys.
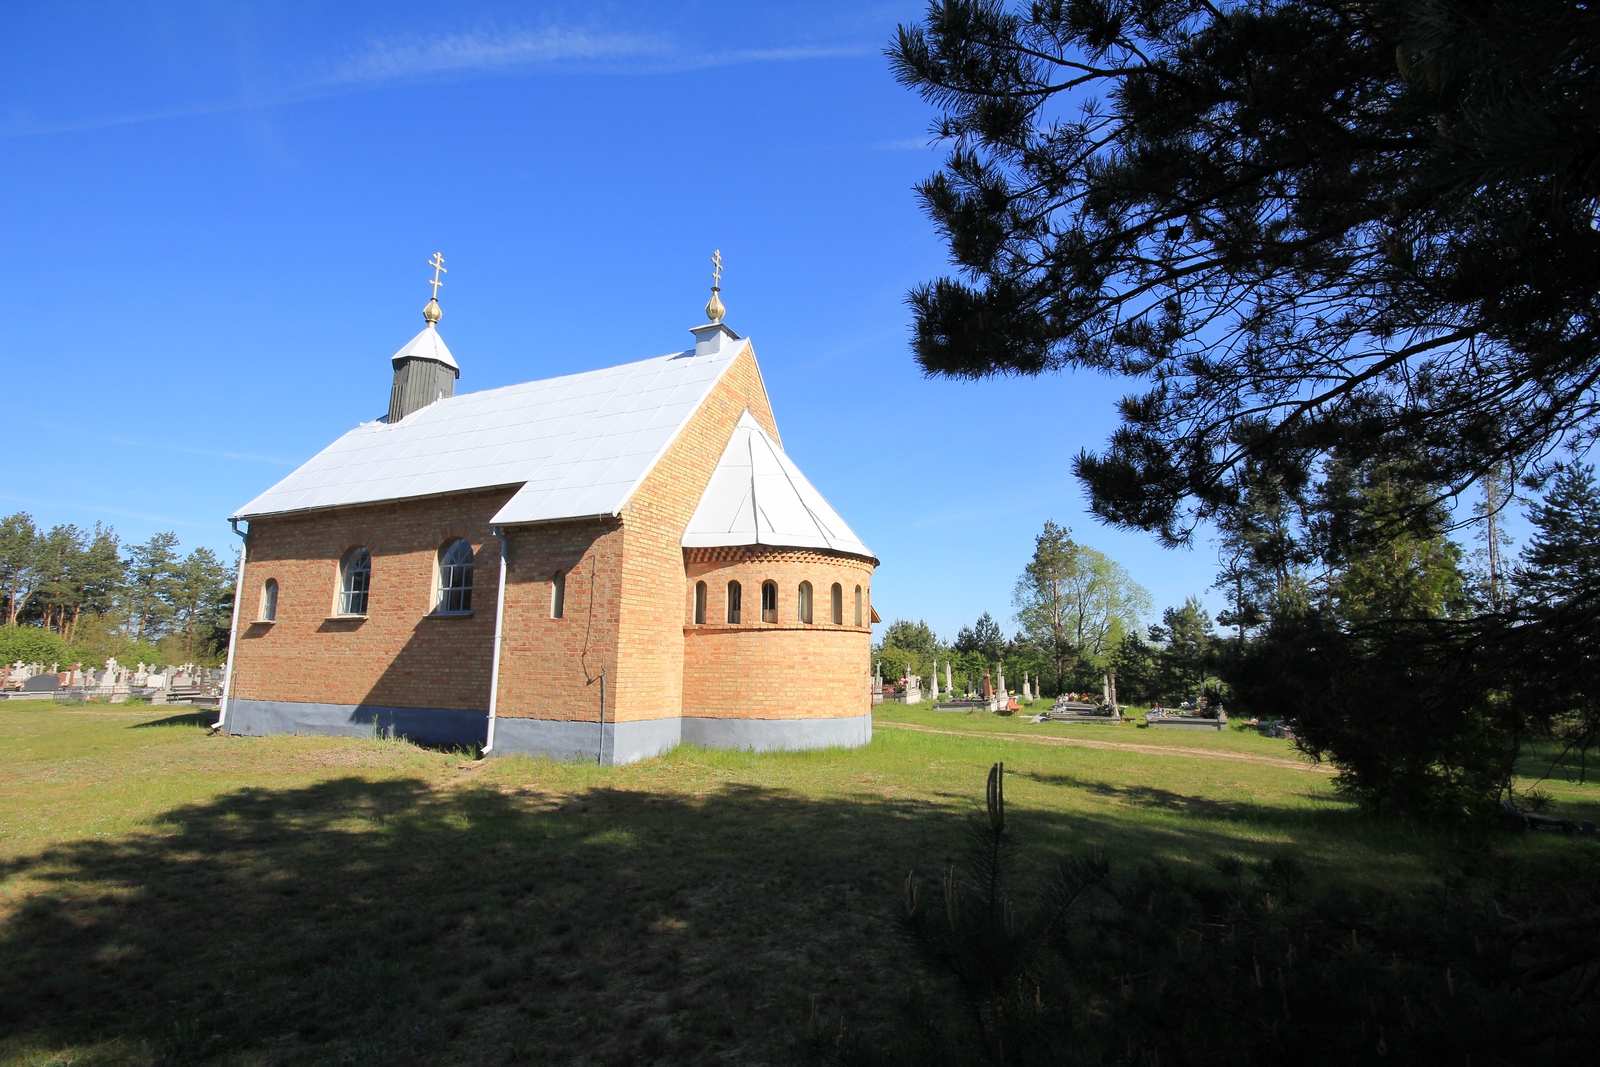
{"x": 452, "y": 587}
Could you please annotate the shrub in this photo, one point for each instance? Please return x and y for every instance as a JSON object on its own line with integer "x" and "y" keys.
{"x": 33, "y": 644}
{"x": 1241, "y": 963}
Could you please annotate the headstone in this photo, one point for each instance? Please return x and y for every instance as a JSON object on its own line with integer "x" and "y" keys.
{"x": 42, "y": 683}
{"x": 1001, "y": 685}
{"x": 913, "y": 689}
{"x": 1027, "y": 690}
{"x": 949, "y": 687}
{"x": 933, "y": 682}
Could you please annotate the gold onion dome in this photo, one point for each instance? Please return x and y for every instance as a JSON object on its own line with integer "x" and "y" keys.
{"x": 432, "y": 312}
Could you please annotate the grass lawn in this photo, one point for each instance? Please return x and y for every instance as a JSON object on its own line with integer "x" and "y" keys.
{"x": 172, "y": 897}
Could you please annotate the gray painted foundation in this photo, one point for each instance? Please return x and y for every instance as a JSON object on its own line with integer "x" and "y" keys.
{"x": 431, "y": 726}
{"x": 624, "y": 742}
{"x": 772, "y": 735}
{"x": 617, "y": 742}
{"x": 627, "y": 742}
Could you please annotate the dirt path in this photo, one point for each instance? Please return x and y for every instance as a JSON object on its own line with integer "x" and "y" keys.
{"x": 1083, "y": 742}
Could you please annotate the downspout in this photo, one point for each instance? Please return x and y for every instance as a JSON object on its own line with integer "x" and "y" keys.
{"x": 600, "y": 755}
{"x": 233, "y": 627}
{"x": 499, "y": 617}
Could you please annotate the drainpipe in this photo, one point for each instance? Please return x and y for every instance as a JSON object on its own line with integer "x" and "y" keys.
{"x": 600, "y": 755}
{"x": 499, "y": 617}
{"x": 233, "y": 627}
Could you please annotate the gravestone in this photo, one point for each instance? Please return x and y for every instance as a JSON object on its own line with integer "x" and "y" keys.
{"x": 42, "y": 683}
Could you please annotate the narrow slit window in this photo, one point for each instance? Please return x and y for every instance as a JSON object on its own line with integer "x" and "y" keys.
{"x": 699, "y": 603}
{"x": 769, "y": 601}
{"x": 735, "y": 601}
{"x": 836, "y": 605}
{"x": 805, "y": 602}
{"x": 558, "y": 595}
{"x": 858, "y": 605}
{"x": 355, "y": 579}
{"x": 269, "y": 600}
{"x": 455, "y": 579}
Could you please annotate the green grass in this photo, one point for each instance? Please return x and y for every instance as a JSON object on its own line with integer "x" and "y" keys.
{"x": 172, "y": 897}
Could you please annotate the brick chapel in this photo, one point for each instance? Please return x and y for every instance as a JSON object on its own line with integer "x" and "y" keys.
{"x": 597, "y": 566}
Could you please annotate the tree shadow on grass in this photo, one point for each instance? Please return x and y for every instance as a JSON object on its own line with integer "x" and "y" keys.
{"x": 356, "y": 921}
{"x": 359, "y": 921}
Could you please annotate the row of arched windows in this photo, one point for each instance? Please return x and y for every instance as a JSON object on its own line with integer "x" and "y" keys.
{"x": 452, "y": 594}
{"x": 804, "y": 612}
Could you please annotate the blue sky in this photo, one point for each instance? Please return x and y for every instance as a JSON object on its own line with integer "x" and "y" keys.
{"x": 218, "y": 218}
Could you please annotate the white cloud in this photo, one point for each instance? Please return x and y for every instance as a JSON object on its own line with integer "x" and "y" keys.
{"x": 399, "y": 60}
{"x": 467, "y": 54}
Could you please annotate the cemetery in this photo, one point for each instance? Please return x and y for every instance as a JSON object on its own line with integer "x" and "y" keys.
{"x": 186, "y": 683}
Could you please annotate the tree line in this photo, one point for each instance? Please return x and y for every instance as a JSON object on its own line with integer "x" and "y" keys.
{"x": 1081, "y": 617}
{"x": 74, "y": 594}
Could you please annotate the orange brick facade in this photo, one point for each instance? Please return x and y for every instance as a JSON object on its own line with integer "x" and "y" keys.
{"x": 788, "y": 669}
{"x": 400, "y": 654}
{"x": 627, "y": 626}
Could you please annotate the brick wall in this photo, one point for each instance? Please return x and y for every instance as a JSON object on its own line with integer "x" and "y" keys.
{"x": 550, "y": 668}
{"x": 786, "y": 669}
{"x": 398, "y": 655}
{"x": 650, "y": 642}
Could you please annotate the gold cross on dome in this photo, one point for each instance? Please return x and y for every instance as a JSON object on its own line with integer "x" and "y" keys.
{"x": 437, "y": 263}
{"x": 716, "y": 269}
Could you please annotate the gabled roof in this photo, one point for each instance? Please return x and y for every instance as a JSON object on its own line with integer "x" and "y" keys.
{"x": 578, "y": 445}
{"x": 757, "y": 496}
{"x": 427, "y": 345}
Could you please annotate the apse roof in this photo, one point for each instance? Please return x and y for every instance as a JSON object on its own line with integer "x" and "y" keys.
{"x": 757, "y": 496}
{"x": 577, "y": 445}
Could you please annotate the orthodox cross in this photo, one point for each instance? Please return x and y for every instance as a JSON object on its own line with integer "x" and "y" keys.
{"x": 437, "y": 263}
{"x": 716, "y": 269}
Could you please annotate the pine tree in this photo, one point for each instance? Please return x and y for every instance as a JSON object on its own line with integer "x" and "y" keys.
{"x": 983, "y": 638}
{"x": 19, "y": 563}
{"x": 152, "y": 569}
{"x": 1042, "y": 596}
{"x": 1188, "y": 649}
{"x": 1564, "y": 554}
{"x": 1303, "y": 224}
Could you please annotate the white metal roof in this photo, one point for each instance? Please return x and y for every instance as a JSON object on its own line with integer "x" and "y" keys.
{"x": 428, "y": 345}
{"x": 578, "y": 445}
{"x": 757, "y": 496}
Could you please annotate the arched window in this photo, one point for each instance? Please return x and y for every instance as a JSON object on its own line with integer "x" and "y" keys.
{"x": 355, "y": 577}
{"x": 735, "y": 601}
{"x": 455, "y": 579}
{"x": 836, "y": 615}
{"x": 858, "y": 605}
{"x": 699, "y": 603}
{"x": 269, "y": 600}
{"x": 769, "y": 601}
{"x": 558, "y": 595}
{"x": 805, "y": 602}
